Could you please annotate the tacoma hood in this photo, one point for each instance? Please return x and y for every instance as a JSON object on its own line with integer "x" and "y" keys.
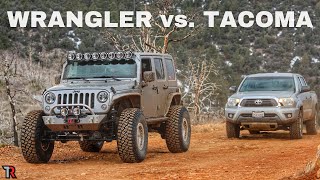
{"x": 93, "y": 85}
{"x": 263, "y": 94}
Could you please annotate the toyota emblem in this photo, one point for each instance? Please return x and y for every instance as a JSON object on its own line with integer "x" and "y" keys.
{"x": 258, "y": 102}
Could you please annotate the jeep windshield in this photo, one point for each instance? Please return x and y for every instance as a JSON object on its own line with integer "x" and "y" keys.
{"x": 100, "y": 69}
{"x": 268, "y": 84}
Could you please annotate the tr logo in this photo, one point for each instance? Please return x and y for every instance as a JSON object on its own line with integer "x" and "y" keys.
{"x": 9, "y": 172}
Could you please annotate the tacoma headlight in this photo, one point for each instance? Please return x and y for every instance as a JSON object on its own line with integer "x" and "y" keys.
{"x": 102, "y": 96}
{"x": 50, "y": 98}
{"x": 288, "y": 102}
{"x": 232, "y": 102}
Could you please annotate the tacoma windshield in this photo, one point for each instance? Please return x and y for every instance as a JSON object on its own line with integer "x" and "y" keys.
{"x": 268, "y": 84}
{"x": 100, "y": 69}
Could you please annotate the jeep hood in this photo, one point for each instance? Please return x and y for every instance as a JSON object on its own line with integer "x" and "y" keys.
{"x": 263, "y": 94}
{"x": 94, "y": 85}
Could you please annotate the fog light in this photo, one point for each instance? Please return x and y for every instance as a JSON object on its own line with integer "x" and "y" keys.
{"x": 64, "y": 112}
{"x": 104, "y": 106}
{"x": 230, "y": 115}
{"x": 289, "y": 115}
{"x": 47, "y": 108}
{"x": 76, "y": 111}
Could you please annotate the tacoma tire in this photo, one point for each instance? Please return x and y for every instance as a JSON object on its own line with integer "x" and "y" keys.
{"x": 34, "y": 150}
{"x": 233, "y": 130}
{"x": 91, "y": 146}
{"x": 132, "y": 136}
{"x": 178, "y": 129}
{"x": 296, "y": 128}
{"x": 311, "y": 125}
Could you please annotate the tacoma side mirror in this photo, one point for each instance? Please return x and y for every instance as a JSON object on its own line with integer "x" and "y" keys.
{"x": 57, "y": 79}
{"x": 148, "y": 76}
{"x": 233, "y": 88}
{"x": 305, "y": 89}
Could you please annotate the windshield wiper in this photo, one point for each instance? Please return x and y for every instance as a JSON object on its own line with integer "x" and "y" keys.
{"x": 82, "y": 78}
{"x": 114, "y": 78}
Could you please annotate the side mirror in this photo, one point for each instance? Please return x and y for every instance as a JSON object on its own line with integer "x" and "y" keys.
{"x": 305, "y": 89}
{"x": 149, "y": 76}
{"x": 57, "y": 79}
{"x": 233, "y": 88}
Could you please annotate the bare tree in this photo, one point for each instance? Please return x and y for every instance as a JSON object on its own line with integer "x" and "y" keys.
{"x": 199, "y": 89}
{"x": 10, "y": 70}
{"x": 156, "y": 38}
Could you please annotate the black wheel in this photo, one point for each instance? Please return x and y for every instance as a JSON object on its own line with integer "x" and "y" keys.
{"x": 296, "y": 128}
{"x": 91, "y": 146}
{"x": 311, "y": 125}
{"x": 132, "y": 136}
{"x": 178, "y": 129}
{"x": 233, "y": 130}
{"x": 34, "y": 149}
{"x": 254, "y": 132}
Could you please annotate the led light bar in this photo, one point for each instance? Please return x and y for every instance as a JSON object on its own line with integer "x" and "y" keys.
{"x": 100, "y": 56}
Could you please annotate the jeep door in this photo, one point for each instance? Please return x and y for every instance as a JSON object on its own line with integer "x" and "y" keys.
{"x": 162, "y": 85}
{"x": 149, "y": 96}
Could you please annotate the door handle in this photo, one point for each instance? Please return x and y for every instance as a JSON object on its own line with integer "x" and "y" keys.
{"x": 165, "y": 87}
{"x": 155, "y": 88}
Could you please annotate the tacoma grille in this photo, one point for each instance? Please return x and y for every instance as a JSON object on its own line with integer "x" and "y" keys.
{"x": 77, "y": 98}
{"x": 258, "y": 103}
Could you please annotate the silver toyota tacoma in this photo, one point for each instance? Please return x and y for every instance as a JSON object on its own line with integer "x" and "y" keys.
{"x": 272, "y": 101}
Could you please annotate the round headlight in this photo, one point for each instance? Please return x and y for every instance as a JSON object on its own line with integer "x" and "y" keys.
{"x": 64, "y": 112}
{"x": 102, "y": 96}
{"x": 50, "y": 98}
{"x": 76, "y": 111}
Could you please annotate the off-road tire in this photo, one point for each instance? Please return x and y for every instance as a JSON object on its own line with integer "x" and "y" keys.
{"x": 254, "y": 132}
{"x": 178, "y": 129}
{"x": 91, "y": 146}
{"x": 311, "y": 125}
{"x": 34, "y": 150}
{"x": 132, "y": 136}
{"x": 296, "y": 127}
{"x": 233, "y": 130}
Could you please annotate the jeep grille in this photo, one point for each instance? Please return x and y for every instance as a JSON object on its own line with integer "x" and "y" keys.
{"x": 261, "y": 103}
{"x": 77, "y": 98}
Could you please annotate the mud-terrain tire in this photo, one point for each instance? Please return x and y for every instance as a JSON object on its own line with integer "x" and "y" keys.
{"x": 311, "y": 125}
{"x": 296, "y": 128}
{"x": 34, "y": 150}
{"x": 233, "y": 130}
{"x": 254, "y": 132}
{"x": 178, "y": 129}
{"x": 91, "y": 146}
{"x": 132, "y": 136}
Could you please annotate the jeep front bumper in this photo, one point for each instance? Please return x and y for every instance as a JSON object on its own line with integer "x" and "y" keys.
{"x": 272, "y": 115}
{"x": 59, "y": 123}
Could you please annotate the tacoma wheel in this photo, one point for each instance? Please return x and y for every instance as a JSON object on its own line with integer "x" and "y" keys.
{"x": 178, "y": 129}
{"x": 91, "y": 146}
{"x": 132, "y": 136}
{"x": 311, "y": 125}
{"x": 296, "y": 128}
{"x": 233, "y": 130}
{"x": 34, "y": 149}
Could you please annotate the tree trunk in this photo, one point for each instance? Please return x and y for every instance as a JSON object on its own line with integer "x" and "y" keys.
{"x": 13, "y": 111}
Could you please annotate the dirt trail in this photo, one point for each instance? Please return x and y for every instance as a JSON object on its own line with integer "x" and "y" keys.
{"x": 211, "y": 156}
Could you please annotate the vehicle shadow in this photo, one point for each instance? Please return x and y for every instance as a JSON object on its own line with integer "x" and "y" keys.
{"x": 107, "y": 154}
{"x": 268, "y": 135}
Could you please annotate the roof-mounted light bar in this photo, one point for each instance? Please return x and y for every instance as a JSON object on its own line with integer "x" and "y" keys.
{"x": 100, "y": 56}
